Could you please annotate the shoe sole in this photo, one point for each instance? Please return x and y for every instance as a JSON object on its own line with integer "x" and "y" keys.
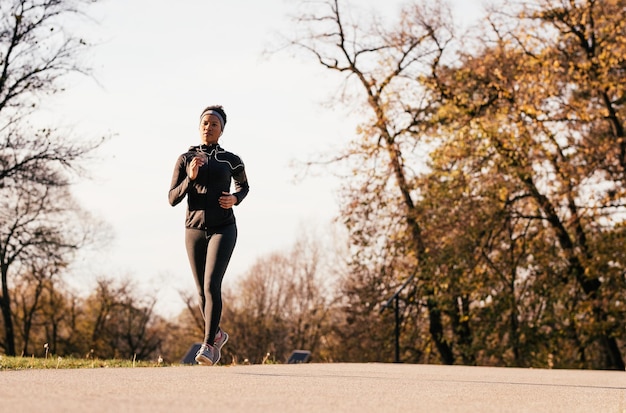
{"x": 205, "y": 361}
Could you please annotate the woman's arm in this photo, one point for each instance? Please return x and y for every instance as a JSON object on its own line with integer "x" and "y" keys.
{"x": 241, "y": 185}
{"x": 180, "y": 182}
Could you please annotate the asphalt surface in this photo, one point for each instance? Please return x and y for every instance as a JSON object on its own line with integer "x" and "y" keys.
{"x": 312, "y": 387}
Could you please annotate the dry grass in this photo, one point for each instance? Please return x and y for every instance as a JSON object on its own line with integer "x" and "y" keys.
{"x": 26, "y": 363}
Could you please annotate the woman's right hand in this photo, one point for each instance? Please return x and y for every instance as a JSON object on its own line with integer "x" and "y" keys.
{"x": 194, "y": 166}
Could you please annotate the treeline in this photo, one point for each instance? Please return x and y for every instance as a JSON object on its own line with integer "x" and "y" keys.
{"x": 282, "y": 304}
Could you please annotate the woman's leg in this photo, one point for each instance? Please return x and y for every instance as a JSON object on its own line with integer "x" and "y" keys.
{"x": 221, "y": 244}
{"x": 196, "y": 242}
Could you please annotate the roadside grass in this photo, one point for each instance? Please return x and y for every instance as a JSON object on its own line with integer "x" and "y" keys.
{"x": 28, "y": 363}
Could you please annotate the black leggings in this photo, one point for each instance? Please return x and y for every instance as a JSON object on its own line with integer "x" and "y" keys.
{"x": 209, "y": 253}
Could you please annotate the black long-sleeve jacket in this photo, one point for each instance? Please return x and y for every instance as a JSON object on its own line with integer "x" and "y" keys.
{"x": 214, "y": 177}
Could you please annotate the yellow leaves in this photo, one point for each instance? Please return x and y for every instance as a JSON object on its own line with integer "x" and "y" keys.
{"x": 503, "y": 194}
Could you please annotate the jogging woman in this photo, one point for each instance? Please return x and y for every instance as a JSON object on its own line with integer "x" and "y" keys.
{"x": 204, "y": 174}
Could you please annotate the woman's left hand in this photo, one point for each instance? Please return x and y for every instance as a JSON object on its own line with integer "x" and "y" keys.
{"x": 227, "y": 200}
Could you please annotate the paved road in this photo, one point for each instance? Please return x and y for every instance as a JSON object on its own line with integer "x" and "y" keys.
{"x": 313, "y": 387}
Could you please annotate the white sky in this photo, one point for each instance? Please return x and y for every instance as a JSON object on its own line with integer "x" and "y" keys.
{"x": 160, "y": 63}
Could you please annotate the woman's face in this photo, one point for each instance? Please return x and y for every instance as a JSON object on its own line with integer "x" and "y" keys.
{"x": 210, "y": 129}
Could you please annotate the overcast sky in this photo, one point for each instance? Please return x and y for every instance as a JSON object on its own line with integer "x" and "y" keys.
{"x": 158, "y": 64}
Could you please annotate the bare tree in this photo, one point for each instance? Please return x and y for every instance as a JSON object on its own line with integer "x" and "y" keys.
{"x": 36, "y": 53}
{"x": 284, "y": 302}
{"x": 35, "y": 239}
{"x": 120, "y": 321}
{"x": 383, "y": 66}
{"x": 30, "y": 296}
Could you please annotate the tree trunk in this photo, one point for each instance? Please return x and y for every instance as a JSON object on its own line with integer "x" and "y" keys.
{"x": 5, "y": 304}
{"x": 436, "y": 331}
